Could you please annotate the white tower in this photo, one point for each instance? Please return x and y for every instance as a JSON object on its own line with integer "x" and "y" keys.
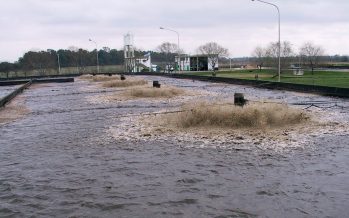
{"x": 129, "y": 53}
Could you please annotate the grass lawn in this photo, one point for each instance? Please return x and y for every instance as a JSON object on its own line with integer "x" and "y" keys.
{"x": 320, "y": 78}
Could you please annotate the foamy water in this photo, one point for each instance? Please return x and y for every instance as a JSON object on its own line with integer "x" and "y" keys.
{"x": 73, "y": 155}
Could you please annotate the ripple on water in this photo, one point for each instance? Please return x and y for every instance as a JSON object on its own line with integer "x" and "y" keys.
{"x": 60, "y": 160}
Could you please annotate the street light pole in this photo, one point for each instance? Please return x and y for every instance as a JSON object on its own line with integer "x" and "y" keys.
{"x": 279, "y": 18}
{"x": 59, "y": 64}
{"x": 179, "y": 51}
{"x": 97, "y": 54}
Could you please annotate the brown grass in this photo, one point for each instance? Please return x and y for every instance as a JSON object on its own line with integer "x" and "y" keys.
{"x": 149, "y": 92}
{"x": 125, "y": 83}
{"x": 99, "y": 78}
{"x": 13, "y": 111}
{"x": 86, "y": 77}
{"x": 229, "y": 116}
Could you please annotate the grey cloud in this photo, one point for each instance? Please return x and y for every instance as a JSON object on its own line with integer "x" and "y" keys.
{"x": 239, "y": 24}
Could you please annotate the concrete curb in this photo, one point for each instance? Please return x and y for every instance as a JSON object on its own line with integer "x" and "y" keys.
{"x": 321, "y": 90}
{"x": 27, "y": 83}
{"x": 43, "y": 80}
{"x": 40, "y": 77}
{"x": 12, "y": 95}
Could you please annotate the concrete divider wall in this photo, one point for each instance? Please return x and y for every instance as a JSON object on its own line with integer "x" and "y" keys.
{"x": 39, "y": 77}
{"x": 27, "y": 83}
{"x": 54, "y": 80}
{"x": 322, "y": 90}
{"x": 43, "y": 80}
{"x": 12, "y": 95}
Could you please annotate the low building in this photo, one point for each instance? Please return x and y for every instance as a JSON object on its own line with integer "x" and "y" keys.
{"x": 143, "y": 64}
{"x": 297, "y": 70}
{"x": 197, "y": 63}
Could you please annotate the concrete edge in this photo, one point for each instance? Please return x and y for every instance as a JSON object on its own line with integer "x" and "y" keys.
{"x": 7, "y": 99}
{"x": 40, "y": 77}
{"x": 27, "y": 83}
{"x": 42, "y": 80}
{"x": 313, "y": 89}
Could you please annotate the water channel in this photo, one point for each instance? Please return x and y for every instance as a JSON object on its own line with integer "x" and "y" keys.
{"x": 60, "y": 160}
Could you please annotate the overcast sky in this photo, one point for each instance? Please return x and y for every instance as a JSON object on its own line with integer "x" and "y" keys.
{"x": 239, "y": 25}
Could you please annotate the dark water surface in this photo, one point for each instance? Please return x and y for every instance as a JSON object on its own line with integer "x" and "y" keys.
{"x": 59, "y": 161}
{"x": 5, "y": 90}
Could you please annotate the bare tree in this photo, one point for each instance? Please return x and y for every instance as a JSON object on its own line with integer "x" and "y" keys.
{"x": 214, "y": 51}
{"x": 312, "y": 54}
{"x": 106, "y": 49}
{"x": 74, "y": 56}
{"x": 286, "y": 53}
{"x": 169, "y": 49}
{"x": 260, "y": 55}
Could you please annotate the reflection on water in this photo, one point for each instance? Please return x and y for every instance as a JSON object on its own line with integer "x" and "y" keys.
{"x": 61, "y": 161}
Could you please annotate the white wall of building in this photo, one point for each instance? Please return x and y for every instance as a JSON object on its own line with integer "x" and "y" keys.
{"x": 185, "y": 62}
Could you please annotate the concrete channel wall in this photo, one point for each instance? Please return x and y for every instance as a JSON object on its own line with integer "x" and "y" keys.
{"x": 42, "y": 80}
{"x": 40, "y": 77}
{"x": 27, "y": 83}
{"x": 12, "y": 95}
{"x": 321, "y": 90}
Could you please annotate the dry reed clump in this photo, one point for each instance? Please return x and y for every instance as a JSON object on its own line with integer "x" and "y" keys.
{"x": 99, "y": 78}
{"x": 13, "y": 111}
{"x": 230, "y": 116}
{"x": 149, "y": 92}
{"x": 125, "y": 83}
{"x": 86, "y": 77}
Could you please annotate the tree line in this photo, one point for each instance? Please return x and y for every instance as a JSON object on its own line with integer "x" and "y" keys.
{"x": 308, "y": 55}
{"x": 73, "y": 57}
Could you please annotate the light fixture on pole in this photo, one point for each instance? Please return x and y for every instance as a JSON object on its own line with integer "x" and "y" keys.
{"x": 59, "y": 64}
{"x": 97, "y": 54}
{"x": 179, "y": 51}
{"x": 279, "y": 51}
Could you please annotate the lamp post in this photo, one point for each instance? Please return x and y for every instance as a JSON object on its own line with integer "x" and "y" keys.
{"x": 279, "y": 51}
{"x": 179, "y": 51}
{"x": 97, "y": 54}
{"x": 59, "y": 64}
